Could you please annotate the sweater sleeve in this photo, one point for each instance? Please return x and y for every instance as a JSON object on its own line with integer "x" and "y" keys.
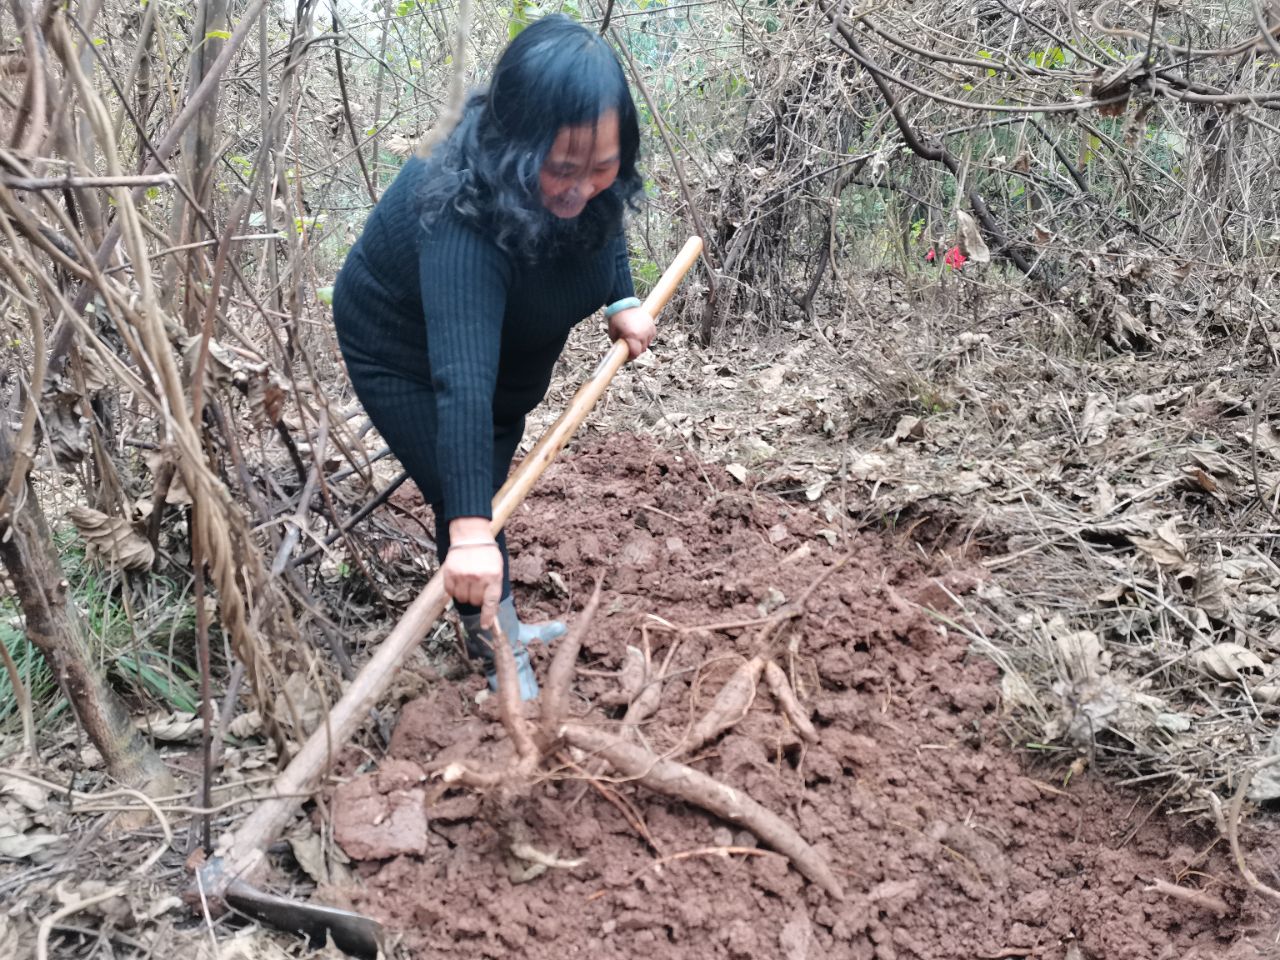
{"x": 464, "y": 279}
{"x": 622, "y": 286}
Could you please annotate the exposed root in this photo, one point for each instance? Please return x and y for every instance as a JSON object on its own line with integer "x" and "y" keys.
{"x": 684, "y": 783}
{"x": 659, "y": 863}
{"x": 1233, "y": 828}
{"x": 1198, "y": 898}
{"x": 555, "y": 694}
{"x": 531, "y": 854}
{"x": 460, "y": 773}
{"x": 509, "y": 705}
{"x": 729, "y": 707}
{"x": 780, "y": 687}
{"x": 648, "y": 698}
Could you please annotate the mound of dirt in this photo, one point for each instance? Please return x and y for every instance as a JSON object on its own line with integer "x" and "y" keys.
{"x": 946, "y": 844}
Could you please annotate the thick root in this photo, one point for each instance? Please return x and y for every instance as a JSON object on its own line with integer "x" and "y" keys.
{"x": 730, "y": 705}
{"x": 555, "y": 695}
{"x": 510, "y": 708}
{"x": 780, "y": 687}
{"x": 681, "y": 782}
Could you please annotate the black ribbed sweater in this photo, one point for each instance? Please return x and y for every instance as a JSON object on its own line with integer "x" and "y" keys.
{"x": 442, "y": 305}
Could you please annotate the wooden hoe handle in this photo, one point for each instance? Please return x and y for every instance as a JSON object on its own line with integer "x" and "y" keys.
{"x": 303, "y": 774}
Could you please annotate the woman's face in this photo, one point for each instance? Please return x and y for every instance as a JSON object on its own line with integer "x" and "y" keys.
{"x": 582, "y": 162}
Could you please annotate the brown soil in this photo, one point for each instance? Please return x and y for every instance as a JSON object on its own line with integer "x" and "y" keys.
{"x": 947, "y": 845}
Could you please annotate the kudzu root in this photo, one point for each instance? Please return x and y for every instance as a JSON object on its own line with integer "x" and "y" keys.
{"x": 729, "y": 706}
{"x": 781, "y": 689}
{"x": 682, "y": 782}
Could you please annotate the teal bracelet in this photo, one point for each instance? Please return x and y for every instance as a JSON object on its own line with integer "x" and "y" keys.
{"x": 626, "y": 303}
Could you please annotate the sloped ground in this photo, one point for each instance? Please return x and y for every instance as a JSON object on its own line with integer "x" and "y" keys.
{"x": 1118, "y": 466}
{"x": 1095, "y": 513}
{"x": 946, "y": 842}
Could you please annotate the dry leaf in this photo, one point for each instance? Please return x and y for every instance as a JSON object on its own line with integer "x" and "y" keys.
{"x": 17, "y": 838}
{"x": 754, "y": 450}
{"x": 1214, "y": 463}
{"x": 1105, "y": 500}
{"x": 909, "y": 428}
{"x": 65, "y": 428}
{"x": 246, "y": 725}
{"x": 1227, "y": 661}
{"x": 1268, "y": 690}
{"x": 10, "y": 937}
{"x": 177, "y": 494}
{"x": 971, "y": 243}
{"x": 737, "y": 471}
{"x": 1202, "y": 479}
{"x": 308, "y": 850}
{"x": 1268, "y": 441}
{"x": 1099, "y": 411}
{"x": 398, "y": 146}
{"x": 1081, "y": 652}
{"x": 112, "y": 538}
{"x": 266, "y": 395}
{"x": 302, "y": 693}
{"x": 1173, "y": 722}
{"x": 1112, "y": 702}
{"x": 1211, "y": 593}
{"x": 1016, "y": 692}
{"x": 31, "y": 795}
{"x": 171, "y": 727}
{"x": 1266, "y": 782}
{"x": 770, "y": 379}
{"x": 1167, "y": 548}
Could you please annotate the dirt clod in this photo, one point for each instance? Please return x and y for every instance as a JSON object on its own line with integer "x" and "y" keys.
{"x": 381, "y": 816}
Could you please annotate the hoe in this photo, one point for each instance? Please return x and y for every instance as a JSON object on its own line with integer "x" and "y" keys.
{"x": 226, "y": 879}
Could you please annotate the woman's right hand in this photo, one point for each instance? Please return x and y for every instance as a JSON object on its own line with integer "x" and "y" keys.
{"x": 473, "y": 567}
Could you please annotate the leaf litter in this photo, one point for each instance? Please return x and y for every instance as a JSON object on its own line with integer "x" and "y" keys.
{"x": 1107, "y": 491}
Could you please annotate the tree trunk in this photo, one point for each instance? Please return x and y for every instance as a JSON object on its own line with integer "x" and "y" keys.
{"x": 54, "y": 626}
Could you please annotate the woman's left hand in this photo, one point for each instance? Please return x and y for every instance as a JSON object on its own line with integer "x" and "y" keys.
{"x": 634, "y": 326}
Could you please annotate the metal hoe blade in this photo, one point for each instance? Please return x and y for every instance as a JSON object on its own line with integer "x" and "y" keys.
{"x": 350, "y": 932}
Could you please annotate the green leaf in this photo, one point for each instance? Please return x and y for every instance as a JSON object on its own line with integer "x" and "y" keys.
{"x": 153, "y": 192}
{"x": 404, "y": 8}
{"x": 218, "y": 35}
{"x": 99, "y": 41}
{"x": 523, "y": 13}
{"x": 325, "y": 295}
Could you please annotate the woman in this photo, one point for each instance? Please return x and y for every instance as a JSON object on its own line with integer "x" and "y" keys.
{"x": 456, "y": 301}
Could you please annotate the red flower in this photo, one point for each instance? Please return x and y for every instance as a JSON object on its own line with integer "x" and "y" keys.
{"x": 954, "y": 258}
{"x": 929, "y": 256}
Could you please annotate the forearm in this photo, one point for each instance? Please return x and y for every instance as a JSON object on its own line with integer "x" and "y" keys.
{"x": 470, "y": 530}
{"x": 623, "y": 286}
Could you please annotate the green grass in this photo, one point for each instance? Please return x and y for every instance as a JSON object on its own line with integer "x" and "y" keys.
{"x": 144, "y": 645}
{"x": 32, "y": 669}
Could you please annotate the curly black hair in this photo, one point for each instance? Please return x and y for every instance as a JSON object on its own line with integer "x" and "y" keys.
{"x": 555, "y": 74}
